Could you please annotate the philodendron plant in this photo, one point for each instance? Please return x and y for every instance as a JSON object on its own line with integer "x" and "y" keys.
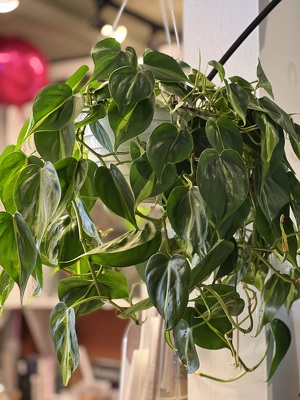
{"x": 225, "y": 203}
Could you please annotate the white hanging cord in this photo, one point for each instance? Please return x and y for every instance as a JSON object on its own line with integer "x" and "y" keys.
{"x": 171, "y": 8}
{"x": 117, "y": 19}
{"x": 165, "y": 23}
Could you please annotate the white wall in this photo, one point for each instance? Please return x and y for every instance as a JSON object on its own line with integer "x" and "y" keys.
{"x": 210, "y": 27}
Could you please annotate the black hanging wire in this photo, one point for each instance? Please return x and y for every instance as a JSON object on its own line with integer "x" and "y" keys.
{"x": 244, "y": 35}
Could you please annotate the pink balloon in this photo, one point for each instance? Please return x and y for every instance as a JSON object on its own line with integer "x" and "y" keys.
{"x": 23, "y": 71}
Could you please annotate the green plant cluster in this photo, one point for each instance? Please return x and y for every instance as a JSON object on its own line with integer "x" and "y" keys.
{"x": 225, "y": 202}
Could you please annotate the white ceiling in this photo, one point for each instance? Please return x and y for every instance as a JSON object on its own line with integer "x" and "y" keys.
{"x": 63, "y": 29}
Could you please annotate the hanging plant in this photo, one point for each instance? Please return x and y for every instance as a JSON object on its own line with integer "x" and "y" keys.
{"x": 227, "y": 203}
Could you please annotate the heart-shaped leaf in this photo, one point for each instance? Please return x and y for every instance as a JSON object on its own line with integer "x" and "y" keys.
{"x": 71, "y": 174}
{"x": 108, "y": 56}
{"x": 273, "y": 296}
{"x": 167, "y": 280}
{"x": 115, "y": 192}
{"x": 186, "y": 349}
{"x": 272, "y": 144}
{"x": 63, "y": 331}
{"x": 55, "y": 145}
{"x": 278, "y": 185}
{"x": 10, "y": 168}
{"x": 19, "y": 257}
{"x": 187, "y": 215}
{"x": 238, "y": 98}
{"x": 164, "y": 67}
{"x": 144, "y": 182}
{"x": 211, "y": 261}
{"x": 133, "y": 122}
{"x": 128, "y": 86}
{"x": 41, "y": 186}
{"x": 55, "y": 107}
{"x": 132, "y": 248}
{"x": 61, "y": 242}
{"x": 223, "y": 182}
{"x": 224, "y": 134}
{"x": 168, "y": 145}
{"x": 282, "y": 340}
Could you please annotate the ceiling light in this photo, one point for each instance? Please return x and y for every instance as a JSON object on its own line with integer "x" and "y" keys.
{"x": 8, "y": 5}
{"x": 119, "y": 33}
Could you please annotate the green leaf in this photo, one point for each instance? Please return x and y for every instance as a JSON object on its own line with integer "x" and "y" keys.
{"x": 10, "y": 168}
{"x": 279, "y": 116}
{"x": 168, "y": 145}
{"x": 88, "y": 193}
{"x": 224, "y": 134}
{"x": 108, "y": 56}
{"x": 211, "y": 335}
{"x": 115, "y": 192}
{"x": 132, "y": 123}
{"x": 272, "y": 144}
{"x": 263, "y": 80}
{"x": 18, "y": 252}
{"x": 233, "y": 223}
{"x": 187, "y": 215}
{"x": 87, "y": 223}
{"x": 128, "y": 86}
{"x": 71, "y": 174}
{"x": 273, "y": 296}
{"x": 282, "y": 340}
{"x": 74, "y": 290}
{"x": 75, "y": 79}
{"x": 55, "y": 145}
{"x": 209, "y": 299}
{"x": 6, "y": 286}
{"x": 211, "y": 261}
{"x": 41, "y": 186}
{"x": 62, "y": 323}
{"x": 219, "y": 68}
{"x": 223, "y": 182}
{"x": 136, "y": 308}
{"x": 164, "y": 67}
{"x": 61, "y": 242}
{"x": 186, "y": 349}
{"x": 101, "y": 135}
{"x": 272, "y": 193}
{"x": 238, "y": 98}
{"x": 129, "y": 249}
{"x": 143, "y": 179}
{"x": 55, "y": 107}
{"x": 167, "y": 280}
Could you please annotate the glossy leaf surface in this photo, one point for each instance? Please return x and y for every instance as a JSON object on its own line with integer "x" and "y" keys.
{"x": 222, "y": 181}
{"x": 129, "y": 249}
{"x": 132, "y": 123}
{"x": 186, "y": 349}
{"x": 41, "y": 186}
{"x": 282, "y": 340}
{"x": 167, "y": 280}
{"x": 62, "y": 322}
{"x": 20, "y": 253}
{"x": 168, "y": 145}
{"x": 186, "y": 211}
{"x": 115, "y": 192}
{"x": 128, "y": 86}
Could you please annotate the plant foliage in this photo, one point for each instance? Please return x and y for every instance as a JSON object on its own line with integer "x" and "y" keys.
{"x": 224, "y": 202}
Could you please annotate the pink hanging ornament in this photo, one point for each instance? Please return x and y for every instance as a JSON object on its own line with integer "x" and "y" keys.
{"x": 23, "y": 71}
